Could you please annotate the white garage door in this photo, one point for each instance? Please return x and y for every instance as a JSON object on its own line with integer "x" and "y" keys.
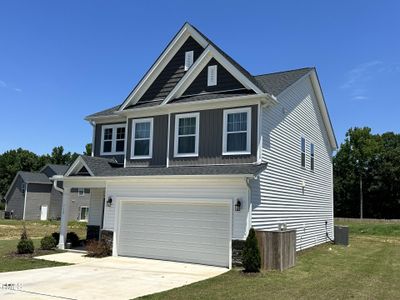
{"x": 198, "y": 232}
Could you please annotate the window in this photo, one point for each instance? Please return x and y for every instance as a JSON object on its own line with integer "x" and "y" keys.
{"x": 23, "y": 187}
{"x": 212, "y": 76}
{"x": 186, "y": 135}
{"x": 84, "y": 213}
{"x": 312, "y": 156}
{"x": 113, "y": 139}
{"x": 81, "y": 192}
{"x": 303, "y": 152}
{"x": 188, "y": 60}
{"x": 237, "y": 131}
{"x": 142, "y": 139}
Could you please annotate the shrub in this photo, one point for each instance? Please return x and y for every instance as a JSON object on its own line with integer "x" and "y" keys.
{"x": 251, "y": 253}
{"x": 48, "y": 243}
{"x": 25, "y": 246}
{"x": 24, "y": 235}
{"x": 72, "y": 238}
{"x": 98, "y": 249}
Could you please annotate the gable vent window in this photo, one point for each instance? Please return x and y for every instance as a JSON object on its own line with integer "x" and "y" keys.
{"x": 312, "y": 156}
{"x": 188, "y": 59}
{"x": 142, "y": 139}
{"x": 303, "y": 152}
{"x": 112, "y": 139}
{"x": 212, "y": 76}
{"x": 237, "y": 131}
{"x": 186, "y": 142}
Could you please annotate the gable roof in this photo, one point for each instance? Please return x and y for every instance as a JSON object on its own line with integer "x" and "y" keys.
{"x": 57, "y": 169}
{"x": 33, "y": 177}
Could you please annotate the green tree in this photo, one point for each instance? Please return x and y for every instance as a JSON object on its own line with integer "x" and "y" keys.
{"x": 251, "y": 253}
{"x": 88, "y": 149}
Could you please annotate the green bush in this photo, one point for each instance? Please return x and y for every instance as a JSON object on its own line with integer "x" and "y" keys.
{"x": 25, "y": 246}
{"x": 24, "y": 235}
{"x": 251, "y": 253}
{"x": 72, "y": 238}
{"x": 48, "y": 243}
{"x": 98, "y": 249}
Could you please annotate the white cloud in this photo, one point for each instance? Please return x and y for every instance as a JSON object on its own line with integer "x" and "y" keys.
{"x": 17, "y": 90}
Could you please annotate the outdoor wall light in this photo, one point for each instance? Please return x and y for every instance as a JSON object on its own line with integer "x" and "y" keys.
{"x": 238, "y": 205}
{"x": 109, "y": 201}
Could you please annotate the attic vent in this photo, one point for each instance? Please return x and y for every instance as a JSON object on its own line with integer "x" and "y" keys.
{"x": 188, "y": 60}
{"x": 212, "y": 76}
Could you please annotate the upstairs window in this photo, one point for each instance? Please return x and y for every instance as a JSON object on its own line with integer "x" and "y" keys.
{"x": 303, "y": 152}
{"x": 312, "y": 156}
{"x": 186, "y": 135}
{"x": 142, "y": 139}
{"x": 237, "y": 131}
{"x": 188, "y": 59}
{"x": 212, "y": 76}
{"x": 113, "y": 139}
{"x": 81, "y": 192}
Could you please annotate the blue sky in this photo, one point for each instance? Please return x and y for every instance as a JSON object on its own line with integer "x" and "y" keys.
{"x": 63, "y": 60}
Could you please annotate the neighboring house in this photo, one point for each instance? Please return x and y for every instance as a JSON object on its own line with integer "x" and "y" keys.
{"x": 32, "y": 196}
{"x": 201, "y": 151}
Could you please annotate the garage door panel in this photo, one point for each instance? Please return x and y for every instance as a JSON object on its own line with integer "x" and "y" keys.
{"x": 176, "y": 231}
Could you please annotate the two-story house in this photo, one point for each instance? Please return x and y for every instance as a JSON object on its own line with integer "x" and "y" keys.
{"x": 201, "y": 151}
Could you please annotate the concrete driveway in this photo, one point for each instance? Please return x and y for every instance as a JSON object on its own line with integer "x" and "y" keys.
{"x": 106, "y": 278}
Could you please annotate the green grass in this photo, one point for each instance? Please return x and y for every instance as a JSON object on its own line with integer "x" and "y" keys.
{"x": 367, "y": 228}
{"x": 10, "y": 263}
{"x": 11, "y": 229}
{"x": 368, "y": 269}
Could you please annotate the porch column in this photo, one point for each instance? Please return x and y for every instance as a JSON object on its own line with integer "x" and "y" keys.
{"x": 64, "y": 218}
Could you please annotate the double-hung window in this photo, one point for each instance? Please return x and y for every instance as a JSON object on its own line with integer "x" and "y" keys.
{"x": 237, "y": 131}
{"x": 312, "y": 157}
{"x": 84, "y": 213}
{"x": 142, "y": 139}
{"x": 112, "y": 139}
{"x": 186, "y": 135}
{"x": 303, "y": 152}
{"x": 81, "y": 192}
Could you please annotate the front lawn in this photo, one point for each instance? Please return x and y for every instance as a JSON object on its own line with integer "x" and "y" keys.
{"x": 368, "y": 269}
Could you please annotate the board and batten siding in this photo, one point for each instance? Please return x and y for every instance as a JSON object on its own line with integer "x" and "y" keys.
{"x": 210, "y": 189}
{"x": 96, "y": 206}
{"x": 277, "y": 194}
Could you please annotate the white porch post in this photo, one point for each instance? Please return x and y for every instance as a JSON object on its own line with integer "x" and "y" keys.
{"x": 64, "y": 218}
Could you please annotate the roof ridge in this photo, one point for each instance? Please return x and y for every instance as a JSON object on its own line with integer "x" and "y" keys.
{"x": 286, "y": 71}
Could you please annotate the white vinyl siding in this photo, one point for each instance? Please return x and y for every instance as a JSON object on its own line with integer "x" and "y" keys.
{"x": 229, "y": 188}
{"x": 278, "y": 195}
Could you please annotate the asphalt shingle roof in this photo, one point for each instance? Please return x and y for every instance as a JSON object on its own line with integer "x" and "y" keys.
{"x": 107, "y": 167}
{"x": 33, "y": 177}
{"x": 58, "y": 169}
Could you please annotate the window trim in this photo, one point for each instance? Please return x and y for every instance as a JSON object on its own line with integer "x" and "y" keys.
{"x": 113, "y": 139}
{"x": 209, "y": 81}
{"x": 247, "y": 110}
{"x": 176, "y": 137}
{"x": 187, "y": 53}
{"x": 134, "y": 122}
{"x": 81, "y": 192}
{"x": 303, "y": 152}
{"x": 80, "y": 213}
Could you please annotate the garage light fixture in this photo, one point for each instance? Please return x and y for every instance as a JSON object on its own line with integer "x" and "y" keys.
{"x": 238, "y": 205}
{"x": 109, "y": 201}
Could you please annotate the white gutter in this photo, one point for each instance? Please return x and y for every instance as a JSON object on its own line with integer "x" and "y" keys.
{"x": 57, "y": 178}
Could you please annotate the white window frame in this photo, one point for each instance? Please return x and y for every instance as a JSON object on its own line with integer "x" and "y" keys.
{"x": 189, "y": 58}
{"x": 81, "y": 192}
{"x": 210, "y": 80}
{"x": 80, "y": 214}
{"x": 134, "y": 122}
{"x": 113, "y": 140}
{"x": 176, "y": 137}
{"x": 225, "y": 131}
{"x": 305, "y": 152}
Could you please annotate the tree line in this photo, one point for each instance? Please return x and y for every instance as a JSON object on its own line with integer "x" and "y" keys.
{"x": 13, "y": 161}
{"x": 367, "y": 165}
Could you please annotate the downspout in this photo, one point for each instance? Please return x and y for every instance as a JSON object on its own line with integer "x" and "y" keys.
{"x": 250, "y": 206}
{"x": 25, "y": 196}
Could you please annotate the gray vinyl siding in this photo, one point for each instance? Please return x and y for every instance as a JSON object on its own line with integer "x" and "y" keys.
{"x": 55, "y": 203}
{"x": 225, "y": 81}
{"x": 210, "y": 141}
{"x": 172, "y": 73}
{"x": 277, "y": 196}
{"x": 160, "y": 137}
{"x": 15, "y": 199}
{"x": 96, "y": 206}
{"x": 77, "y": 202}
{"x": 97, "y": 143}
{"x": 38, "y": 195}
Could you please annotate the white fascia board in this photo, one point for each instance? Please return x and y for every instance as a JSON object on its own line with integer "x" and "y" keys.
{"x": 197, "y": 67}
{"x": 79, "y": 163}
{"x": 186, "y": 31}
{"x": 323, "y": 108}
